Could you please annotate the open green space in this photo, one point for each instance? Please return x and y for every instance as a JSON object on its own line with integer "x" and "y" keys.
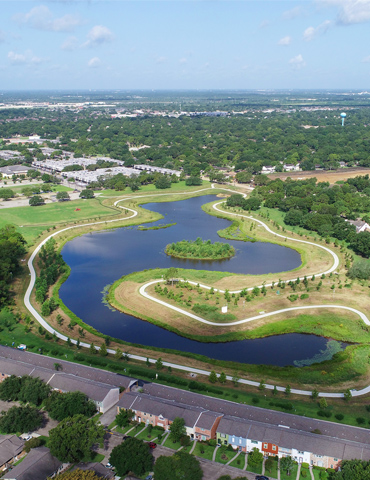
{"x": 223, "y": 455}
{"x": 256, "y": 468}
{"x": 170, "y": 444}
{"x": 239, "y": 461}
{"x": 203, "y": 450}
{"x": 292, "y": 473}
{"x": 273, "y": 473}
{"x": 32, "y": 221}
{"x": 149, "y": 436}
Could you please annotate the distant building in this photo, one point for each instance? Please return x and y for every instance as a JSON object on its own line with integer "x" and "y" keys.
{"x": 268, "y": 169}
{"x": 8, "y": 172}
{"x": 290, "y": 167}
{"x": 360, "y": 225}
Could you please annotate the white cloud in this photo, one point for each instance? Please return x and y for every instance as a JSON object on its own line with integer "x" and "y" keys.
{"x": 312, "y": 32}
{"x": 264, "y": 24}
{"x": 293, "y": 13}
{"x": 41, "y": 18}
{"x": 285, "y": 41}
{"x": 161, "y": 60}
{"x": 16, "y": 58}
{"x": 97, "y": 36}
{"x": 183, "y": 60}
{"x": 349, "y": 11}
{"x": 366, "y": 59}
{"x": 70, "y": 44}
{"x": 26, "y": 58}
{"x": 297, "y": 62}
{"x": 94, "y": 62}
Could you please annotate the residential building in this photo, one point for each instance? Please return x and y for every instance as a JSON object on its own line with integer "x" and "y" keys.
{"x": 39, "y": 464}
{"x": 9, "y": 171}
{"x": 11, "y": 447}
{"x": 360, "y": 225}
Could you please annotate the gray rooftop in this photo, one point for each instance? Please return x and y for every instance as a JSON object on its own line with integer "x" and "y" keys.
{"x": 10, "y": 447}
{"x": 38, "y": 465}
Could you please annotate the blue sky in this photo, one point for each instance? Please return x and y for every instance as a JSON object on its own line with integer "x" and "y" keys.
{"x": 256, "y": 44}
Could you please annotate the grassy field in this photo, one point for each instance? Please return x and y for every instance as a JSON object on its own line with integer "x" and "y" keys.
{"x": 292, "y": 474}
{"x": 256, "y": 469}
{"x": 32, "y": 221}
{"x": 205, "y": 448}
{"x": 239, "y": 462}
{"x": 223, "y": 455}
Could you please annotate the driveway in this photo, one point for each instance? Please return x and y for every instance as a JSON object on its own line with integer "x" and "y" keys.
{"x": 110, "y": 441}
{"x": 211, "y": 470}
{"x": 108, "y": 417}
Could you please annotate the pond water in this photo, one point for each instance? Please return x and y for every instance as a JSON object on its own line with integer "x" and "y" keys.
{"x": 98, "y": 259}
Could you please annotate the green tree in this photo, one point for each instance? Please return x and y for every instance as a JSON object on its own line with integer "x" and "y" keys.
{"x": 212, "y": 377}
{"x": 163, "y": 182}
{"x": 36, "y": 200}
{"x": 170, "y": 274}
{"x": 20, "y": 419}
{"x": 62, "y": 196}
{"x": 32, "y": 443}
{"x": 323, "y": 403}
{"x": 287, "y": 464}
{"x": 269, "y": 464}
{"x": 103, "y": 350}
{"x": 222, "y": 378}
{"x": 159, "y": 364}
{"x": 347, "y": 395}
{"x": 6, "y": 193}
{"x": 288, "y": 390}
{"x": 63, "y": 405}
{"x": 87, "y": 193}
{"x": 92, "y": 349}
{"x": 181, "y": 466}
{"x": 177, "y": 429}
{"x": 255, "y": 457}
{"x": 133, "y": 455}
{"x": 353, "y": 470}
{"x": 73, "y": 439}
{"x": 124, "y": 417}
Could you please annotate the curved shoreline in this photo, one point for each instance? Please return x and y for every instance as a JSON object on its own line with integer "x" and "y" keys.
{"x": 51, "y": 330}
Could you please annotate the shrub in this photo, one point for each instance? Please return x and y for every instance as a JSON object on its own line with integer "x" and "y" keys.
{"x": 324, "y": 413}
{"x": 339, "y": 416}
{"x": 360, "y": 420}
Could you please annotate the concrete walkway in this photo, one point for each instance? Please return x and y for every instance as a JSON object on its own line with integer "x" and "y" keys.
{"x": 63, "y": 337}
{"x": 263, "y": 466}
{"x": 233, "y": 458}
{"x": 278, "y": 472}
{"x": 298, "y": 471}
{"x": 138, "y": 433}
{"x": 165, "y": 438}
{"x": 193, "y": 446}
{"x": 311, "y": 473}
{"x": 246, "y": 462}
{"x": 214, "y": 453}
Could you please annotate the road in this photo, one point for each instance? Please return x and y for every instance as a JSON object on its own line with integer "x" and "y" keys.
{"x": 51, "y": 330}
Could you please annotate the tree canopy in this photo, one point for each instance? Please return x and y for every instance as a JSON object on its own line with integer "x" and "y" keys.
{"x": 20, "y": 419}
{"x": 63, "y": 405}
{"x": 177, "y": 429}
{"x": 133, "y": 455}
{"x": 181, "y": 466}
{"x": 73, "y": 439}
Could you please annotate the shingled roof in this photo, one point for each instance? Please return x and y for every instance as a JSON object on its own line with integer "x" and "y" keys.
{"x": 38, "y": 465}
{"x": 10, "y": 447}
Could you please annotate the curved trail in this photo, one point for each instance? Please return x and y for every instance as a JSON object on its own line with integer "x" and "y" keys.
{"x": 143, "y": 292}
{"x": 51, "y": 330}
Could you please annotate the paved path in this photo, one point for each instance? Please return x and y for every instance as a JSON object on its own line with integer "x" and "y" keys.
{"x": 214, "y": 453}
{"x": 63, "y": 337}
{"x": 298, "y": 471}
{"x": 233, "y": 458}
{"x": 193, "y": 446}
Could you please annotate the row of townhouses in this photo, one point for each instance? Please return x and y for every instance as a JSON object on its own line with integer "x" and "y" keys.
{"x": 242, "y": 426}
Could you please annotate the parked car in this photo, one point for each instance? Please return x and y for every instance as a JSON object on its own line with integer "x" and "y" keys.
{"x": 261, "y": 477}
{"x": 152, "y": 445}
{"x": 149, "y": 477}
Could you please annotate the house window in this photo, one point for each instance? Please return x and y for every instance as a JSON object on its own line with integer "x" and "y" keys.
{"x": 151, "y": 415}
{"x": 274, "y": 448}
{"x": 233, "y": 440}
{"x": 254, "y": 442}
{"x": 222, "y": 435}
{"x": 265, "y": 445}
{"x": 240, "y": 441}
{"x": 300, "y": 452}
{"x": 335, "y": 459}
{"x": 225, "y": 442}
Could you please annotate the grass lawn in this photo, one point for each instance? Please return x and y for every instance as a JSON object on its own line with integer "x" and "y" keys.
{"x": 205, "y": 448}
{"x": 124, "y": 430}
{"x": 239, "y": 462}
{"x": 293, "y": 473}
{"x": 61, "y": 188}
{"x": 316, "y": 473}
{"x": 274, "y": 469}
{"x": 169, "y": 443}
{"x": 255, "y": 469}
{"x": 32, "y": 221}
{"x": 308, "y": 475}
{"x": 147, "y": 437}
{"x": 223, "y": 455}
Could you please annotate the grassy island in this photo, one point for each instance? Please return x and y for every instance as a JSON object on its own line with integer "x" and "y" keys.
{"x": 200, "y": 250}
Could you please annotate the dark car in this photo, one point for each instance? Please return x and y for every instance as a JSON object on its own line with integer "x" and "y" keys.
{"x": 261, "y": 477}
{"x": 152, "y": 445}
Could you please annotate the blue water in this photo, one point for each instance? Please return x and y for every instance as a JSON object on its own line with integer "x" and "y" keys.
{"x": 98, "y": 259}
